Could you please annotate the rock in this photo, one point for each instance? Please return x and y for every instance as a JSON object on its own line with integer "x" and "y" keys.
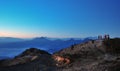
{"x": 89, "y": 56}
{"x": 61, "y": 61}
{"x": 109, "y": 57}
{"x": 25, "y": 57}
{"x": 32, "y": 52}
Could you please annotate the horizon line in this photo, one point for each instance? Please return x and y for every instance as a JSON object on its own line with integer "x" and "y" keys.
{"x": 52, "y": 37}
{"x": 43, "y": 36}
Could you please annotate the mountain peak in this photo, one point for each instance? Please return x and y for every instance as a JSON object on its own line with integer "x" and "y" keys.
{"x": 40, "y": 38}
{"x": 32, "y": 52}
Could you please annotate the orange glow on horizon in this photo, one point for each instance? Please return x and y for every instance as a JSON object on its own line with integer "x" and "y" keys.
{"x": 17, "y": 35}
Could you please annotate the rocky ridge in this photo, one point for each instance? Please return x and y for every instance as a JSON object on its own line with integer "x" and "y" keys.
{"x": 94, "y": 55}
{"x": 91, "y": 56}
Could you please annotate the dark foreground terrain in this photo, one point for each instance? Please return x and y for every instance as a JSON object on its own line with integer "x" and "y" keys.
{"x": 94, "y": 55}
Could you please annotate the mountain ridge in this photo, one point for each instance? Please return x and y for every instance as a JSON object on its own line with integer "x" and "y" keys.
{"x": 92, "y": 55}
{"x": 40, "y": 42}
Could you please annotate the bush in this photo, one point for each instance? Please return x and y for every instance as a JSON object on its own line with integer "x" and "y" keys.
{"x": 112, "y": 45}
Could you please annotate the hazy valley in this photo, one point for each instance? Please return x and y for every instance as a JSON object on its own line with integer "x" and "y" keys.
{"x": 88, "y": 55}
{"x": 10, "y": 47}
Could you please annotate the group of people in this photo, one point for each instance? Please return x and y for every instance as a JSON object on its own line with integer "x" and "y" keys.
{"x": 106, "y": 36}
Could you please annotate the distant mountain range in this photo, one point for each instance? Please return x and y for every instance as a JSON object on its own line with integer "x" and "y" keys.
{"x": 13, "y": 46}
{"x": 94, "y": 55}
{"x": 10, "y": 39}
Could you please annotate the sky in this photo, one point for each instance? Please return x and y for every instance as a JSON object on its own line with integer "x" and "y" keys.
{"x": 59, "y": 18}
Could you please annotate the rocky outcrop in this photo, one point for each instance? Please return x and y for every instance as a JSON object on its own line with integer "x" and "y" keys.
{"x": 93, "y": 49}
{"x": 30, "y": 60}
{"x": 89, "y": 56}
{"x": 17, "y": 61}
{"x": 60, "y": 61}
{"x": 32, "y": 52}
{"x": 25, "y": 57}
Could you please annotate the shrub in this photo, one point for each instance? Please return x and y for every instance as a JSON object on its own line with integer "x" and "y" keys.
{"x": 112, "y": 45}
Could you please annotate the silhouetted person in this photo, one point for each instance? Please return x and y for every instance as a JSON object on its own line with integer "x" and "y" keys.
{"x": 107, "y": 37}
{"x": 100, "y": 37}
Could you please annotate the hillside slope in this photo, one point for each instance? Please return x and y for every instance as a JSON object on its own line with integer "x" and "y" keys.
{"x": 90, "y": 56}
{"x": 30, "y": 60}
{"x": 94, "y": 55}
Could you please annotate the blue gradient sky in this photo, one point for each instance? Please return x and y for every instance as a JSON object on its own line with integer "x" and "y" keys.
{"x": 59, "y": 18}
